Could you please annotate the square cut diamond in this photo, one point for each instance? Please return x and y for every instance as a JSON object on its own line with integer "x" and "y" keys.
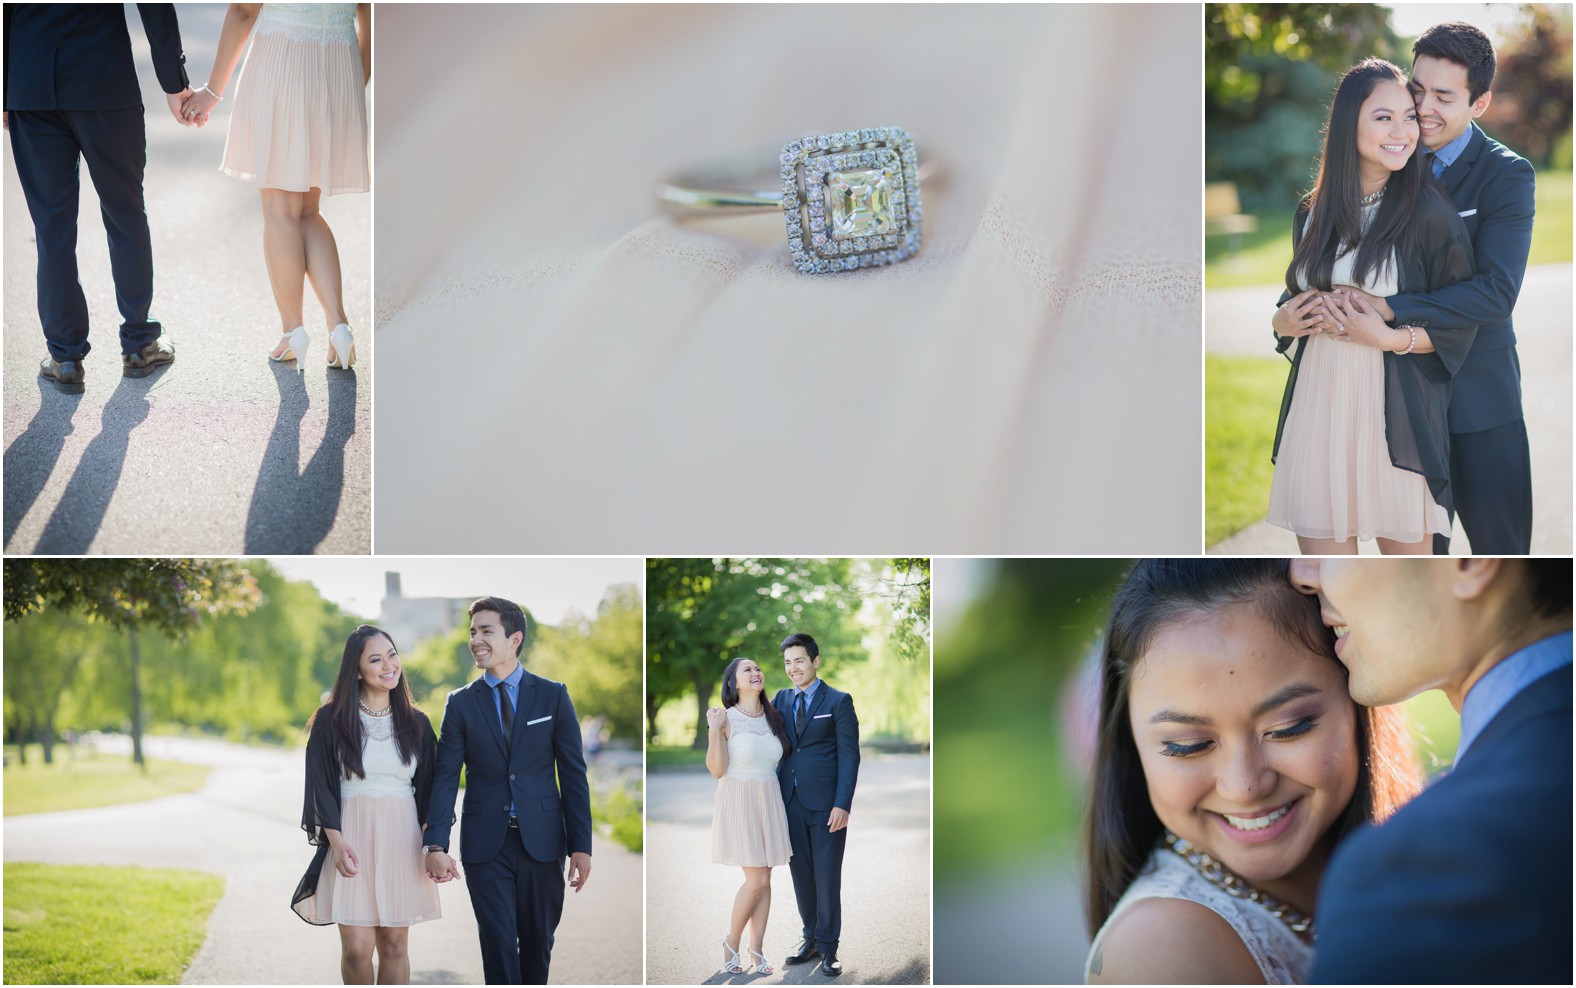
{"x": 861, "y": 203}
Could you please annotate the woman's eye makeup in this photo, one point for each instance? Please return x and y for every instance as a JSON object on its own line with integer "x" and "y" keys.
{"x": 1175, "y": 750}
{"x": 1296, "y": 730}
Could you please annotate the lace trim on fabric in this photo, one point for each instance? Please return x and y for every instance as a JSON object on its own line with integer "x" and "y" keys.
{"x": 309, "y": 23}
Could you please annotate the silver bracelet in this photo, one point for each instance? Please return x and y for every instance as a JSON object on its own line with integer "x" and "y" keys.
{"x": 1410, "y": 345}
{"x": 205, "y": 89}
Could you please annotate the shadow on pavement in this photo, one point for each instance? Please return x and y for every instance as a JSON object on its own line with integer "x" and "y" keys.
{"x": 292, "y": 512}
{"x": 81, "y": 510}
{"x": 31, "y": 457}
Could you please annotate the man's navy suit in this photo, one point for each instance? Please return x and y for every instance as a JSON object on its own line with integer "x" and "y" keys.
{"x": 1470, "y": 883}
{"x": 1490, "y": 466}
{"x": 515, "y": 876}
{"x": 818, "y": 774}
{"x": 71, "y": 95}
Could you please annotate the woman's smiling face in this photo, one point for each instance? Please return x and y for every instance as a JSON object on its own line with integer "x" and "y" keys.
{"x": 1387, "y": 130}
{"x": 1248, "y": 743}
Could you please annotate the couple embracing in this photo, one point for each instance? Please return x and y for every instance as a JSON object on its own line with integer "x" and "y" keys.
{"x": 1255, "y": 814}
{"x": 298, "y": 131}
{"x": 1403, "y": 402}
{"x": 380, "y": 792}
{"x": 786, "y": 773}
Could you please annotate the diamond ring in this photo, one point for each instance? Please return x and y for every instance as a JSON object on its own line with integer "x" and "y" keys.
{"x": 851, "y": 199}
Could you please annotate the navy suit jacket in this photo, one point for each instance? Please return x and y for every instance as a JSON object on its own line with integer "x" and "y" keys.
{"x": 1470, "y": 882}
{"x": 545, "y": 758}
{"x": 1492, "y": 188}
{"x": 77, "y": 56}
{"x": 824, "y": 759}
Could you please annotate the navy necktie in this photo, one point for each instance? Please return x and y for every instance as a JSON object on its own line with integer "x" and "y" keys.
{"x": 508, "y": 714}
{"x": 798, "y": 717}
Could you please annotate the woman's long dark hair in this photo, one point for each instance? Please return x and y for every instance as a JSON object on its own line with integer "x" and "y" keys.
{"x": 1334, "y": 214}
{"x": 1122, "y": 827}
{"x": 730, "y": 697}
{"x": 343, "y": 708}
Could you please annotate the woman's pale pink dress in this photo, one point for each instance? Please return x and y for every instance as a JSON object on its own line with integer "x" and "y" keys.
{"x": 299, "y": 116}
{"x": 749, "y": 824}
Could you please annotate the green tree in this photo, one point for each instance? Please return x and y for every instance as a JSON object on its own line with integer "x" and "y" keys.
{"x": 43, "y": 656}
{"x": 168, "y": 596}
{"x": 1531, "y": 108}
{"x": 599, "y": 658}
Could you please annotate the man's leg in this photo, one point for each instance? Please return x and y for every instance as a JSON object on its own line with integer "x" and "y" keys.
{"x": 827, "y": 850}
{"x": 493, "y": 898}
{"x": 801, "y": 867}
{"x": 115, "y": 147}
{"x": 539, "y": 905}
{"x": 46, "y": 155}
{"x": 1491, "y": 474}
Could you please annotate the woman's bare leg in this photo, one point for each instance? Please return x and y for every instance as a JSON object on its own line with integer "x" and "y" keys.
{"x": 1390, "y": 547}
{"x": 322, "y": 261}
{"x": 284, "y": 255}
{"x": 1326, "y": 547}
{"x": 763, "y": 908}
{"x": 355, "y": 953}
{"x": 393, "y": 962}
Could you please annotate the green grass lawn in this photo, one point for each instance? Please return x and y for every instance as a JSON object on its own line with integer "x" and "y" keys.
{"x": 91, "y": 780}
{"x": 1241, "y": 400}
{"x": 661, "y": 756}
{"x": 90, "y": 924}
{"x": 1260, "y": 258}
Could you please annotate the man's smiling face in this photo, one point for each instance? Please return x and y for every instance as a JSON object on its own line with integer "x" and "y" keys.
{"x": 1445, "y": 108}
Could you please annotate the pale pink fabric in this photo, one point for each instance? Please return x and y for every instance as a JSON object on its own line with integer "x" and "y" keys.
{"x": 391, "y": 888}
{"x": 1333, "y": 475}
{"x": 299, "y": 119}
{"x": 749, "y": 824}
{"x": 564, "y": 369}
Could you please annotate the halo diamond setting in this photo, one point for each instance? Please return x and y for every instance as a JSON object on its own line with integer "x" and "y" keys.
{"x": 851, "y": 199}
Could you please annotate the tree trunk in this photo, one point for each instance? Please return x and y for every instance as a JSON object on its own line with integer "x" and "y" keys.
{"x": 136, "y": 701}
{"x": 702, "y": 696}
{"x": 651, "y": 719}
{"x": 47, "y": 736}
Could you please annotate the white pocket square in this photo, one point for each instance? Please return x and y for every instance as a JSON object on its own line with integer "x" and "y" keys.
{"x": 819, "y": 716}
{"x": 538, "y": 720}
{"x": 1467, "y": 212}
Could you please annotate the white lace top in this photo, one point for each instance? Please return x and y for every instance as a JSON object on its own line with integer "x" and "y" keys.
{"x": 753, "y": 750}
{"x": 1283, "y": 958}
{"x": 386, "y": 775}
{"x": 309, "y": 23}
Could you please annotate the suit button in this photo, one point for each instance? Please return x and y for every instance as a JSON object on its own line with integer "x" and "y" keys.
{"x": 511, "y": 778}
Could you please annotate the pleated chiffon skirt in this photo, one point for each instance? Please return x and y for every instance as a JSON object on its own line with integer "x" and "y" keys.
{"x": 299, "y": 119}
{"x": 391, "y": 888}
{"x": 1333, "y": 475}
{"x": 749, "y": 824}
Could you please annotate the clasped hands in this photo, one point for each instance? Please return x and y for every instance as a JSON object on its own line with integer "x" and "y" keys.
{"x": 1348, "y": 314}
{"x": 443, "y": 868}
{"x": 191, "y": 108}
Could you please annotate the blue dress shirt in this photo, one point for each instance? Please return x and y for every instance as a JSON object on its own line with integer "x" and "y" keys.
{"x": 1446, "y": 156}
{"x": 808, "y": 693}
{"x": 1509, "y": 677}
{"x": 512, "y": 685}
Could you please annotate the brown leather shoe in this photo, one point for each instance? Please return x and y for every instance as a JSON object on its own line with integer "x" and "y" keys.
{"x": 148, "y": 359}
{"x": 67, "y": 374}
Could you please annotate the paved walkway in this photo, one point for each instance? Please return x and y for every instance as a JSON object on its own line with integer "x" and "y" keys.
{"x": 1023, "y": 926}
{"x": 886, "y": 884}
{"x": 224, "y": 452}
{"x": 1236, "y": 323}
{"x": 245, "y": 825}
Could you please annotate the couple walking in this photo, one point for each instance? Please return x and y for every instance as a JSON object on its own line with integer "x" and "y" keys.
{"x": 1252, "y": 788}
{"x": 786, "y": 773}
{"x": 380, "y": 792}
{"x": 1403, "y": 403}
{"x": 298, "y": 131}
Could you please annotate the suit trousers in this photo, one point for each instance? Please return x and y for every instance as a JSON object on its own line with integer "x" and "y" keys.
{"x": 1491, "y": 475}
{"x": 817, "y": 870}
{"x": 518, "y": 902}
{"x": 48, "y": 147}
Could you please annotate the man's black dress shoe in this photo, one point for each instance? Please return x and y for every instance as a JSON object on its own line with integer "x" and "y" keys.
{"x": 830, "y": 965}
{"x": 148, "y": 359}
{"x": 67, "y": 374}
{"x": 805, "y": 952}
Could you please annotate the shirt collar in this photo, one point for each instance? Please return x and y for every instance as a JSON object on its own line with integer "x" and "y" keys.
{"x": 1447, "y": 155}
{"x": 1492, "y": 693}
{"x": 513, "y": 679}
{"x": 808, "y": 691}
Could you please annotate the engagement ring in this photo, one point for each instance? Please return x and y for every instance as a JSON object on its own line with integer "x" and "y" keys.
{"x": 851, "y": 199}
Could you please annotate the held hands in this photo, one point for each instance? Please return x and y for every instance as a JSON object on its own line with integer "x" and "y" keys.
{"x": 1300, "y": 316}
{"x": 579, "y": 870}
{"x": 441, "y": 868}
{"x": 715, "y": 718}
{"x": 177, "y": 103}
{"x": 199, "y": 105}
{"x": 1356, "y": 319}
{"x": 838, "y": 818}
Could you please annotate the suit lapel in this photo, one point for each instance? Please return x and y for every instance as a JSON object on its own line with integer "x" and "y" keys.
{"x": 1457, "y": 172}
{"x": 488, "y": 707}
{"x": 524, "y": 694}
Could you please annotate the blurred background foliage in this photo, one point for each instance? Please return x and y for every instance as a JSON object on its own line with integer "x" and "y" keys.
{"x": 870, "y": 617}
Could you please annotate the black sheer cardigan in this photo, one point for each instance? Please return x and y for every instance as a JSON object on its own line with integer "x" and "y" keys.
{"x": 320, "y": 811}
{"x": 1417, "y": 385}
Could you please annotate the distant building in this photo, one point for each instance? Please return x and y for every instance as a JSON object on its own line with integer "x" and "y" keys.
{"x": 414, "y": 619}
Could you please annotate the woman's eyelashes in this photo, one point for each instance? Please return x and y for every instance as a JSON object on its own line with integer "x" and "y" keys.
{"x": 1177, "y": 749}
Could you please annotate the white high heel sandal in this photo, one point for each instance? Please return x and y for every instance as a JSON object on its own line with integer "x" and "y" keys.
{"x": 299, "y": 341}
{"x": 344, "y": 345}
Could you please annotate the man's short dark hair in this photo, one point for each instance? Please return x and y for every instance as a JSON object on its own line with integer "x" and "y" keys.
{"x": 1465, "y": 45}
{"x": 511, "y": 616}
{"x": 803, "y": 641}
{"x": 1549, "y": 588}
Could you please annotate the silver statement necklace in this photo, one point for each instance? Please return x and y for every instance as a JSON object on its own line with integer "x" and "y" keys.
{"x": 1232, "y": 884}
{"x": 1369, "y": 200}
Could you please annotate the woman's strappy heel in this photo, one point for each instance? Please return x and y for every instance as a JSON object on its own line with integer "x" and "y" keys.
{"x": 296, "y": 351}
{"x": 761, "y": 967}
{"x": 732, "y": 964}
{"x": 344, "y": 346}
